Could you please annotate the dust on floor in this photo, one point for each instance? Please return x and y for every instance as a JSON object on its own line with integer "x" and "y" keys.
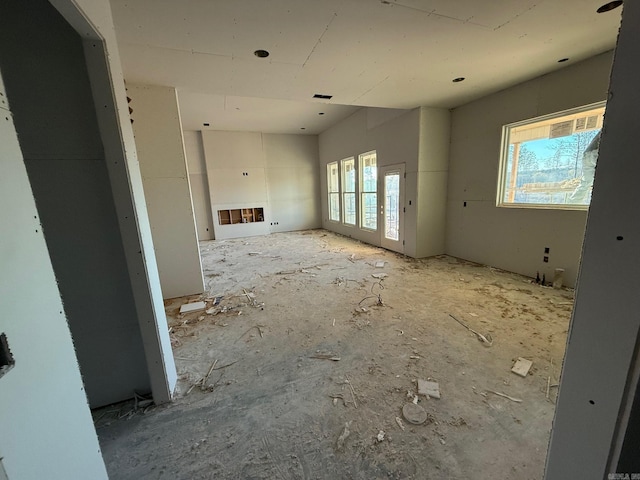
{"x": 314, "y": 359}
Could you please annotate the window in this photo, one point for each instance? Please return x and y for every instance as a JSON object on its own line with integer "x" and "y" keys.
{"x": 349, "y": 191}
{"x": 334, "y": 192}
{"x": 368, "y": 191}
{"x": 549, "y": 162}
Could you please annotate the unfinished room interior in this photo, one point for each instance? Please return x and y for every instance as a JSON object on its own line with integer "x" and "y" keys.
{"x": 337, "y": 239}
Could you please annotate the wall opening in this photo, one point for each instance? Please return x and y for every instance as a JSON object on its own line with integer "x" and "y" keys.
{"x": 47, "y": 82}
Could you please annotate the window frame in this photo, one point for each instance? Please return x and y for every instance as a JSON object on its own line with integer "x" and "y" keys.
{"x": 344, "y": 192}
{"x": 331, "y": 193}
{"x": 362, "y": 192}
{"x": 503, "y": 171}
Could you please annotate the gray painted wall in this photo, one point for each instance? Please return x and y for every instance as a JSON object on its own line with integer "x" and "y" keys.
{"x": 418, "y": 138}
{"x": 197, "y": 167}
{"x": 158, "y": 134}
{"x": 36, "y": 442}
{"x": 511, "y": 238}
{"x": 47, "y": 83}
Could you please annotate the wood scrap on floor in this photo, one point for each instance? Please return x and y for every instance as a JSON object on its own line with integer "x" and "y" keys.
{"x": 259, "y": 327}
{"x": 504, "y": 395}
{"x": 343, "y": 436}
{"x": 328, "y": 356}
{"x": 353, "y": 392}
{"x": 202, "y": 382}
{"x": 485, "y": 339}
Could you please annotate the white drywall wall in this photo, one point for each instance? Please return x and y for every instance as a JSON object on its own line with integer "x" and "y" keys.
{"x": 93, "y": 21}
{"x": 293, "y": 181}
{"x": 419, "y": 139}
{"x": 603, "y": 337}
{"x": 46, "y": 425}
{"x": 281, "y": 177}
{"x": 433, "y": 167}
{"x": 65, "y": 160}
{"x": 514, "y": 238}
{"x": 237, "y": 179}
{"x": 158, "y": 136}
{"x": 197, "y": 167}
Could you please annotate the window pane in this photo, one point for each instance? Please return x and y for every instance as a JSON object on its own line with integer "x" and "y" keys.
{"x": 350, "y": 208}
{"x": 368, "y": 189}
{"x": 333, "y": 191}
{"x": 334, "y": 207}
{"x": 551, "y": 161}
{"x": 349, "y": 175}
{"x": 369, "y": 211}
{"x": 392, "y": 206}
{"x": 332, "y": 177}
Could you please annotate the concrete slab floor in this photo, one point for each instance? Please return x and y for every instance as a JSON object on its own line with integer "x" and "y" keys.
{"x": 317, "y": 343}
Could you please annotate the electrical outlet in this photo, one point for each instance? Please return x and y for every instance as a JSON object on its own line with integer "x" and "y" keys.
{"x": 6, "y": 357}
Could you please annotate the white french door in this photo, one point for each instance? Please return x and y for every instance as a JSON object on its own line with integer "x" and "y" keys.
{"x": 392, "y": 207}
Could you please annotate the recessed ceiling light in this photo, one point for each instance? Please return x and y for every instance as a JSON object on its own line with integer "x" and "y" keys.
{"x": 320, "y": 113}
{"x": 458, "y": 80}
{"x": 323, "y": 96}
{"x": 562, "y": 60}
{"x": 607, "y": 7}
{"x": 205, "y": 124}
{"x": 261, "y": 53}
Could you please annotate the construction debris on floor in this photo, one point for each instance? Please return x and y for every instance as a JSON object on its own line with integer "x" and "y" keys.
{"x": 303, "y": 361}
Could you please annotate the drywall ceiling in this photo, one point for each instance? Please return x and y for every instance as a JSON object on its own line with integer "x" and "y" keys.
{"x": 382, "y": 53}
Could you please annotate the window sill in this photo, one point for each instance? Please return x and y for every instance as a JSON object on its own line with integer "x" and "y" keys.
{"x": 540, "y": 206}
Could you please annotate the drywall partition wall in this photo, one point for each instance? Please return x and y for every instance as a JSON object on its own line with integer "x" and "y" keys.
{"x": 397, "y": 137}
{"x": 237, "y": 180}
{"x": 158, "y": 134}
{"x": 200, "y": 197}
{"x": 433, "y": 167}
{"x": 65, "y": 160}
{"x": 293, "y": 181}
{"x": 36, "y": 441}
{"x": 514, "y": 238}
{"x": 602, "y": 346}
{"x": 277, "y": 173}
{"x": 93, "y": 22}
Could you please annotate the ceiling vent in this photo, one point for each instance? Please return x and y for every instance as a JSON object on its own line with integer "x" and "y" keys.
{"x": 323, "y": 97}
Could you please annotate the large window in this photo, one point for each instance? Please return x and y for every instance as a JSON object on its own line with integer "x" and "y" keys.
{"x": 348, "y": 191}
{"x": 549, "y": 162}
{"x": 333, "y": 186}
{"x": 368, "y": 191}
